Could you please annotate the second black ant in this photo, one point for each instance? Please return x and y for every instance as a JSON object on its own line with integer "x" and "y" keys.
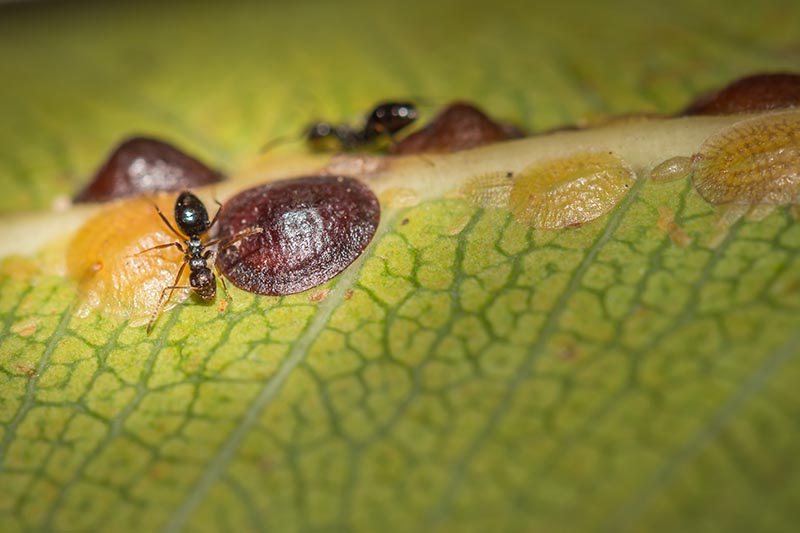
{"x": 191, "y": 216}
{"x": 386, "y": 119}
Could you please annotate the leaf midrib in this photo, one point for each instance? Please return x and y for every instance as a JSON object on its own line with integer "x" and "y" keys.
{"x": 216, "y": 466}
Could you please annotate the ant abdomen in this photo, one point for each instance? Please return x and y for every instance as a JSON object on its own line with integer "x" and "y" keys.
{"x": 204, "y": 283}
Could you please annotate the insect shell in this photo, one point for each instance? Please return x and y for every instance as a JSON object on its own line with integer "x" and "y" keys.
{"x": 104, "y": 260}
{"x": 312, "y": 228}
{"x": 141, "y": 165}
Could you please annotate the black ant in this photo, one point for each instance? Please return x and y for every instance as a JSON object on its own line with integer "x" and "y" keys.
{"x": 386, "y": 119}
{"x": 191, "y": 217}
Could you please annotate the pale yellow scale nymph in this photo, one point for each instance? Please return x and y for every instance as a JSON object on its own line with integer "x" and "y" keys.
{"x": 569, "y": 191}
{"x": 488, "y": 190}
{"x": 672, "y": 169}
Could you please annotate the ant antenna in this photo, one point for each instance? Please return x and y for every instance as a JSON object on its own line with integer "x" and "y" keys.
{"x": 277, "y": 141}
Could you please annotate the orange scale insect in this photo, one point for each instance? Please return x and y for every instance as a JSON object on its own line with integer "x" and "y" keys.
{"x": 102, "y": 258}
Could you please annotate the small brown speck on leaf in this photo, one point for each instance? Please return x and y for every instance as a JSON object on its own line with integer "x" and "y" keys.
{"x": 26, "y": 327}
{"x": 319, "y": 296}
{"x": 26, "y": 369}
{"x": 666, "y": 223}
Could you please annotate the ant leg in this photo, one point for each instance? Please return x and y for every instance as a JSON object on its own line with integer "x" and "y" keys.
{"x": 214, "y": 220}
{"x": 167, "y": 222}
{"x": 236, "y": 238}
{"x": 224, "y": 285}
{"x": 176, "y": 244}
{"x": 212, "y": 256}
{"x": 426, "y": 160}
{"x": 161, "y": 301}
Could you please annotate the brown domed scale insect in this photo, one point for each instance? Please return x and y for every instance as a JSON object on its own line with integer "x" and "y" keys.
{"x": 142, "y": 165}
{"x": 313, "y": 227}
{"x": 191, "y": 217}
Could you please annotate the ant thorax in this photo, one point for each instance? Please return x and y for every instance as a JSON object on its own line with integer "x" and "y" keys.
{"x": 194, "y": 246}
{"x": 196, "y": 263}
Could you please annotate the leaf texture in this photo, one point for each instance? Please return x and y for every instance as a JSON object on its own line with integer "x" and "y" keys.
{"x": 467, "y": 373}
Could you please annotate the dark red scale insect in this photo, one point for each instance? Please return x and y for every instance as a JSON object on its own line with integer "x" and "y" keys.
{"x": 141, "y": 165}
{"x": 757, "y": 92}
{"x": 192, "y": 219}
{"x": 310, "y": 229}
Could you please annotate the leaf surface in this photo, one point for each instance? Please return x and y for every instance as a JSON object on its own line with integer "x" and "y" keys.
{"x": 467, "y": 372}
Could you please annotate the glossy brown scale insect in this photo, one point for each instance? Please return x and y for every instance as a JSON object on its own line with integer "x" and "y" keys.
{"x": 141, "y": 165}
{"x": 312, "y": 228}
{"x": 757, "y": 92}
{"x": 386, "y": 119}
{"x": 192, "y": 220}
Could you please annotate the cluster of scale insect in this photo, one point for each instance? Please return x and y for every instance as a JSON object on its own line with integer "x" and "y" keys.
{"x": 730, "y": 168}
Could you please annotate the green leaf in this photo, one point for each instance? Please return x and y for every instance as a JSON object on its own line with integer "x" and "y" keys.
{"x": 467, "y": 372}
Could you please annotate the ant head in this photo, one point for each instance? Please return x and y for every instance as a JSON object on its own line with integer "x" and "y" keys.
{"x": 389, "y": 118}
{"x": 191, "y": 215}
{"x": 204, "y": 283}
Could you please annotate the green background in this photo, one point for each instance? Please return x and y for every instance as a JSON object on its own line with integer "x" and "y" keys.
{"x": 488, "y": 377}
